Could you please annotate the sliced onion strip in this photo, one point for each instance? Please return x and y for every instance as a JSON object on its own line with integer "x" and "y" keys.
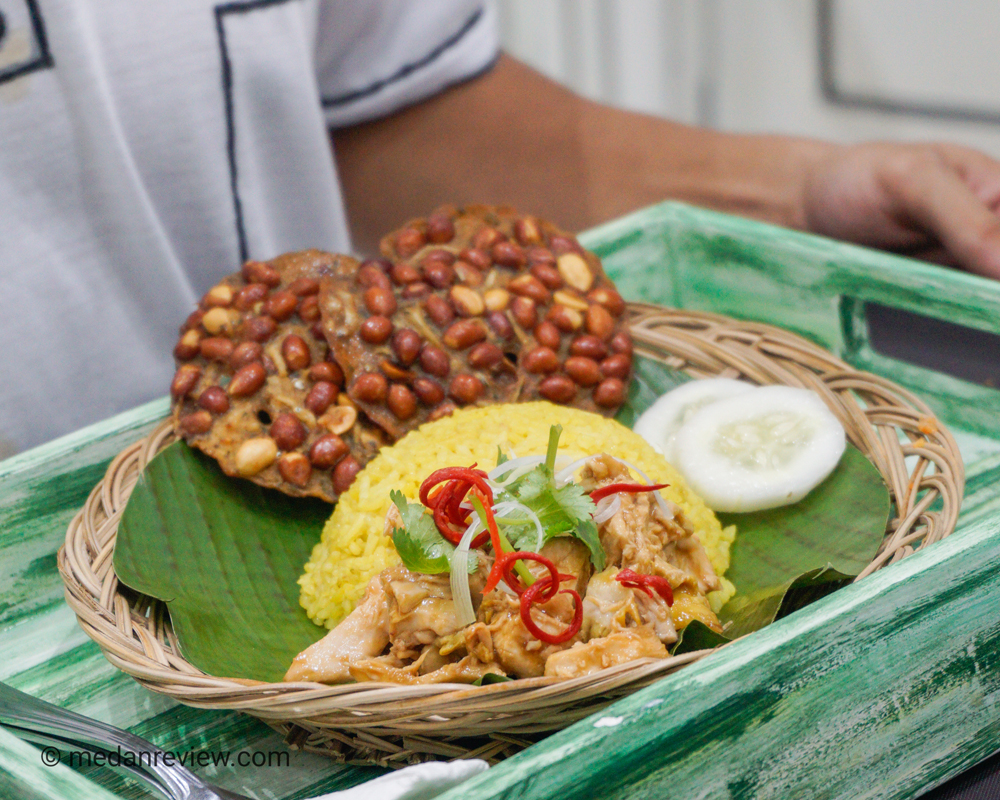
{"x": 607, "y": 508}
{"x": 459, "y": 578}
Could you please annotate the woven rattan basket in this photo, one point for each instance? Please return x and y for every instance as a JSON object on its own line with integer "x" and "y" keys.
{"x": 398, "y": 725}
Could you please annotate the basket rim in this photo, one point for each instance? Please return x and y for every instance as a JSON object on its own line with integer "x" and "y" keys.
{"x": 135, "y": 635}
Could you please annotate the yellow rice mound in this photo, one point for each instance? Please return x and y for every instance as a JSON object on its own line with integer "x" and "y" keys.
{"x": 353, "y": 547}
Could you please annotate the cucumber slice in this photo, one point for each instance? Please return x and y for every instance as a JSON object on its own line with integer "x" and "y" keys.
{"x": 760, "y": 450}
{"x": 659, "y": 424}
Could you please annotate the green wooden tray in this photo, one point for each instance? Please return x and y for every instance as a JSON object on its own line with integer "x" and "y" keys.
{"x": 884, "y": 689}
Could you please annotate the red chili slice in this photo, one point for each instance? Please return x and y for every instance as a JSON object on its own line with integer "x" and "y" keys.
{"x": 533, "y": 594}
{"x": 631, "y": 488}
{"x": 507, "y": 562}
{"x": 445, "y": 503}
{"x": 647, "y": 583}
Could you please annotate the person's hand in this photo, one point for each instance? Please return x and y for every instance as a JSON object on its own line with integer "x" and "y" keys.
{"x": 938, "y": 202}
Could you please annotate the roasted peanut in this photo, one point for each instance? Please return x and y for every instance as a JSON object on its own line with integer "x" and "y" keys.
{"x": 608, "y": 298}
{"x": 251, "y": 294}
{"x": 446, "y": 409}
{"x": 301, "y": 287}
{"x": 589, "y": 346}
{"x": 287, "y": 431}
{"x": 485, "y": 238}
{"x": 258, "y": 329}
{"x": 255, "y": 455}
{"x": 575, "y": 271}
{"x": 467, "y": 302}
{"x": 414, "y": 291}
{"x": 219, "y": 320}
{"x": 259, "y": 272}
{"x": 280, "y": 305}
{"x": 408, "y": 241}
{"x": 220, "y": 295}
{"x": 376, "y": 330}
{"x": 320, "y": 397}
{"x": 468, "y": 274}
{"x": 609, "y": 393}
{"x": 524, "y": 311}
{"x": 485, "y": 355}
{"x": 247, "y": 380}
{"x": 406, "y": 346}
{"x": 616, "y": 366}
{"x": 401, "y": 402}
{"x": 184, "y": 380}
{"x": 269, "y": 366}
{"x": 309, "y": 308}
{"x": 463, "y": 334}
{"x": 438, "y": 254}
{"x": 340, "y": 418}
{"x": 541, "y": 255}
{"x": 216, "y": 348}
{"x": 508, "y": 254}
{"x": 585, "y": 371}
{"x": 439, "y": 274}
{"x": 540, "y": 359}
{"x": 402, "y": 274}
{"x": 565, "y": 319}
{"x": 439, "y": 310}
{"x": 557, "y": 389}
{"x": 500, "y": 324}
{"x": 188, "y": 346}
{"x": 548, "y": 335}
{"x": 428, "y": 391}
{"x": 496, "y": 299}
{"x": 244, "y": 353}
{"x": 193, "y": 320}
{"x": 295, "y": 351}
{"x": 214, "y": 399}
{"x": 344, "y": 474}
{"x": 327, "y": 450}
{"x": 466, "y": 388}
{"x": 526, "y": 231}
{"x": 327, "y": 371}
{"x": 548, "y": 275}
{"x": 372, "y": 275}
{"x": 570, "y": 299}
{"x": 440, "y": 228}
{"x": 195, "y": 423}
{"x": 370, "y": 387}
{"x": 380, "y": 301}
{"x": 599, "y": 322}
{"x": 434, "y": 360}
{"x": 480, "y": 259}
{"x": 621, "y": 342}
{"x": 529, "y": 286}
{"x": 295, "y": 468}
{"x": 560, "y": 244}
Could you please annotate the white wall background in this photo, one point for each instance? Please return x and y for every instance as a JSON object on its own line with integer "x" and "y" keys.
{"x": 901, "y": 69}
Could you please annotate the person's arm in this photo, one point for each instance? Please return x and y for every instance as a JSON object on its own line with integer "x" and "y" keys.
{"x": 512, "y": 136}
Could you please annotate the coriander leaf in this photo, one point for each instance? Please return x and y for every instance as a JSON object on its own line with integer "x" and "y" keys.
{"x": 567, "y": 510}
{"x": 501, "y": 458}
{"x": 419, "y": 543}
{"x": 586, "y": 532}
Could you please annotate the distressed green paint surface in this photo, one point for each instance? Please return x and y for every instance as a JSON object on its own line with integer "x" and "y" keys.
{"x": 882, "y": 690}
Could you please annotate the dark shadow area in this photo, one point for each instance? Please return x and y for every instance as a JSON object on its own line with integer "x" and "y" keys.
{"x": 966, "y": 353}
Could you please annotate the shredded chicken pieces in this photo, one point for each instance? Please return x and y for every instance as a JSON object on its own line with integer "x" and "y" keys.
{"x": 406, "y": 629}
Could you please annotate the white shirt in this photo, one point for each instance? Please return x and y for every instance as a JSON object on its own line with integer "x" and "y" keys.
{"x": 148, "y": 148}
